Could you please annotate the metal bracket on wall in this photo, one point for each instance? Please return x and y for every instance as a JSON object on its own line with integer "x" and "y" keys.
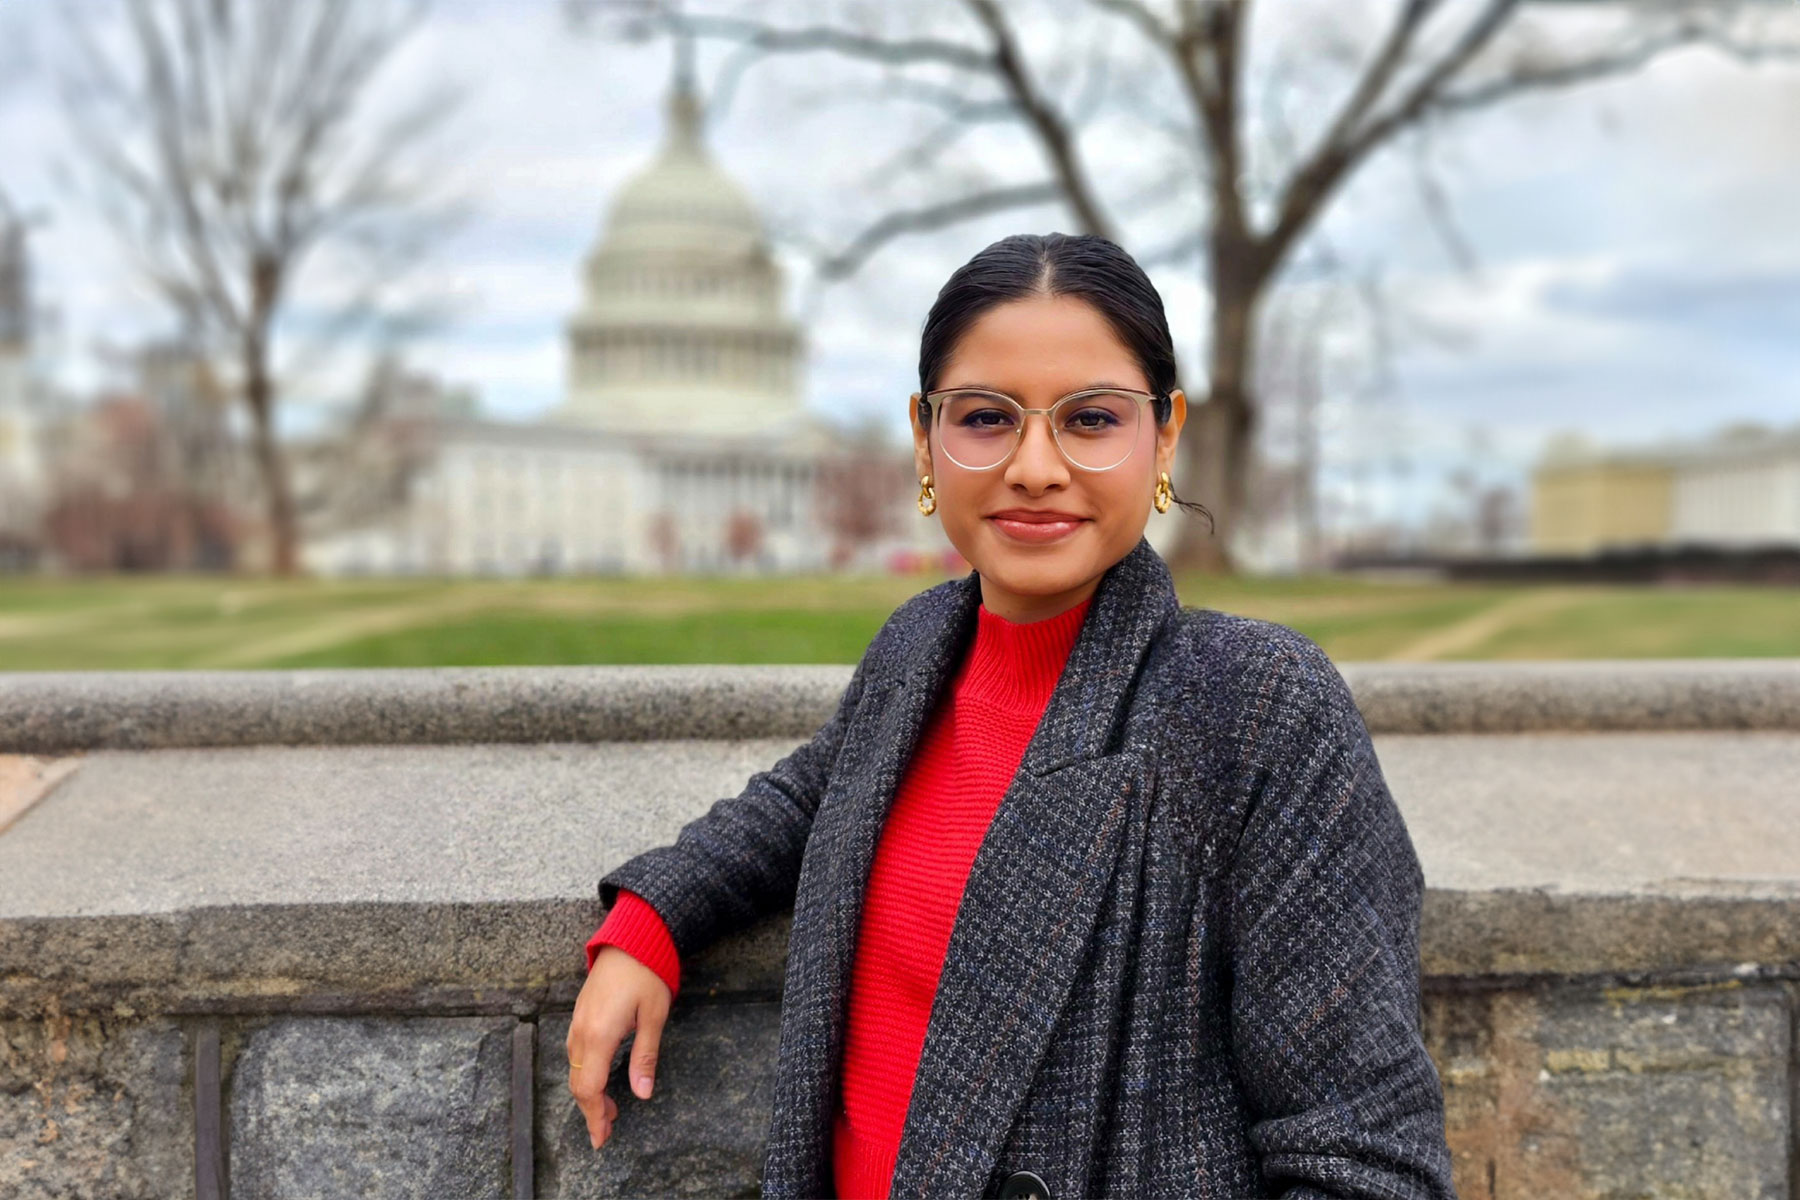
{"x": 209, "y": 1131}
{"x": 524, "y": 1069}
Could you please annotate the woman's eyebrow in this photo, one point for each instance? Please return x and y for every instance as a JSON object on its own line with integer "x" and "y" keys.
{"x": 988, "y": 387}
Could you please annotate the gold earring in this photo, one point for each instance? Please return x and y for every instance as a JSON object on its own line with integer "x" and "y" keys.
{"x": 927, "y": 497}
{"x": 1163, "y": 494}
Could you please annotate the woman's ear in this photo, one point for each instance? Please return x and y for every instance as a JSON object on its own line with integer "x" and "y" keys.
{"x": 1169, "y": 433}
{"x": 921, "y": 438}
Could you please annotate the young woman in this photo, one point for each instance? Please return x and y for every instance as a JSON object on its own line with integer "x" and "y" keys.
{"x": 1094, "y": 894}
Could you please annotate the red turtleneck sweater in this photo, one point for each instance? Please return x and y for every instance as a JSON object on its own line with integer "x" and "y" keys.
{"x": 965, "y": 760}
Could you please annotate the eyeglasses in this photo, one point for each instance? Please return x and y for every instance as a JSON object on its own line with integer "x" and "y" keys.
{"x": 1095, "y": 429}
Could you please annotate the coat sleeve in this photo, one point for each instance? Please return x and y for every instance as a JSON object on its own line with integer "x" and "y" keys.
{"x": 741, "y": 859}
{"x": 634, "y": 927}
{"x": 1324, "y": 896}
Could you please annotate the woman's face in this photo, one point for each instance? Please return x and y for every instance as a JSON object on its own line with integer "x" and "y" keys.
{"x": 1038, "y": 350}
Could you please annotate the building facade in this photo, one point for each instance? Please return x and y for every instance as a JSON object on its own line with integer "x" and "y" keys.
{"x": 1580, "y": 506}
{"x": 683, "y": 443}
{"x": 1738, "y": 489}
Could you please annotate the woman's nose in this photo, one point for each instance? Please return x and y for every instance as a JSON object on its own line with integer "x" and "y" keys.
{"x": 1037, "y": 453}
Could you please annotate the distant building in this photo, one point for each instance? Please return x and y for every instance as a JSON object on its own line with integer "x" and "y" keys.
{"x": 683, "y": 443}
{"x": 143, "y": 478}
{"x": 1584, "y": 500}
{"x": 1739, "y": 488}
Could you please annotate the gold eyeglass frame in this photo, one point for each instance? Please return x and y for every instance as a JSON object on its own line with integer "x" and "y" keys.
{"x": 935, "y": 399}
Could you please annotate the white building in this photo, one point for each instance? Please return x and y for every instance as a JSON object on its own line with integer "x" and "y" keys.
{"x": 1740, "y": 489}
{"x": 510, "y": 499}
{"x": 683, "y": 443}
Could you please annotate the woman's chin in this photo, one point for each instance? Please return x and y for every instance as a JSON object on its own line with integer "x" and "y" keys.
{"x": 1041, "y": 571}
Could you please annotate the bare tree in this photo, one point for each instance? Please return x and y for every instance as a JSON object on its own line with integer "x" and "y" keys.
{"x": 236, "y": 145}
{"x": 1262, "y": 173}
{"x": 1290, "y": 379}
{"x": 15, "y": 279}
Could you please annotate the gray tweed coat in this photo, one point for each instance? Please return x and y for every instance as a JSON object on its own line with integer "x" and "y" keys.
{"x": 1186, "y": 959}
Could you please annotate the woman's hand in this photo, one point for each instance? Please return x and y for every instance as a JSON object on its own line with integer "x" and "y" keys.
{"x": 621, "y": 994}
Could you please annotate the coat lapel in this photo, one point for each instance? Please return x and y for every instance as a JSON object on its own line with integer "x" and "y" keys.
{"x": 1022, "y": 926}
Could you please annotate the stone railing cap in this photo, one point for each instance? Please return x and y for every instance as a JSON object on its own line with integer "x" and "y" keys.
{"x": 50, "y": 713}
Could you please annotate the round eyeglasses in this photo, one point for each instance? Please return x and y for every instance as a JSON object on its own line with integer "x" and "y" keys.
{"x": 1095, "y": 429}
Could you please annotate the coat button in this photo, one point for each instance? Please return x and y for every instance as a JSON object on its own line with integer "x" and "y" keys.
{"x": 1023, "y": 1185}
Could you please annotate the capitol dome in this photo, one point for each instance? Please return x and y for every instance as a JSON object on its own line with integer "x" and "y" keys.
{"x": 681, "y": 327}
{"x": 683, "y": 198}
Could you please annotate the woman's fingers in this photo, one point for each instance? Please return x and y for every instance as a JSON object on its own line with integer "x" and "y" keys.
{"x": 593, "y": 1109}
{"x": 592, "y": 1044}
{"x": 620, "y": 996}
{"x": 650, "y": 1020}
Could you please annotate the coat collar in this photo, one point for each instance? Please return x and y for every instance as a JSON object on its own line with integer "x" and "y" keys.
{"x": 1028, "y": 906}
{"x": 1130, "y": 603}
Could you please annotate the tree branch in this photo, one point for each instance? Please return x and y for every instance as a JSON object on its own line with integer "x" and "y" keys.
{"x": 935, "y": 216}
{"x": 1313, "y": 184}
{"x": 805, "y": 38}
{"x": 1380, "y": 72}
{"x": 1051, "y": 129}
{"x": 1604, "y": 66}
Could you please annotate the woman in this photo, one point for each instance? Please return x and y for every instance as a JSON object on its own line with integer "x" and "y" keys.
{"x": 1094, "y": 894}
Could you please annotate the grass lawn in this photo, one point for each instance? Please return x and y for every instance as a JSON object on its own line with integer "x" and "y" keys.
{"x": 130, "y": 623}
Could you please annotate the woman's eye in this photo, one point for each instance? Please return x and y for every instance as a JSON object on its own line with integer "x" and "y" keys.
{"x": 1093, "y": 419}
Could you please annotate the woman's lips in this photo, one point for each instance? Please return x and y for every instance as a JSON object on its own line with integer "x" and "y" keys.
{"x": 1035, "y": 531}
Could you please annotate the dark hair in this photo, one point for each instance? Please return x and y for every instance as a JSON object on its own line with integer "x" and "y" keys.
{"x": 1084, "y": 265}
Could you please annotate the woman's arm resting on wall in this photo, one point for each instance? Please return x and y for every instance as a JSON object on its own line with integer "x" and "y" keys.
{"x": 1325, "y": 893}
{"x": 741, "y": 859}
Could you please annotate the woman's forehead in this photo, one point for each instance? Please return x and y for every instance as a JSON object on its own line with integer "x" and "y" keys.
{"x": 1055, "y": 343}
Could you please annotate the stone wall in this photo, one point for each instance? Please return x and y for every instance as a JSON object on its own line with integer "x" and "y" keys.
{"x": 319, "y": 933}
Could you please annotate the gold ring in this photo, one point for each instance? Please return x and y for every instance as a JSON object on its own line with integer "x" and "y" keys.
{"x": 576, "y": 1065}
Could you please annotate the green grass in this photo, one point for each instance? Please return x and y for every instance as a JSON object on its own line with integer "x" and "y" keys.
{"x": 503, "y": 639}
{"x": 1660, "y": 623}
{"x": 132, "y": 623}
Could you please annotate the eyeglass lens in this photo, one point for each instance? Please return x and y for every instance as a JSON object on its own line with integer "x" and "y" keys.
{"x": 1096, "y": 430}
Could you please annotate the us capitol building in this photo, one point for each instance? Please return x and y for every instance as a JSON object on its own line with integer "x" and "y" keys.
{"x": 682, "y": 444}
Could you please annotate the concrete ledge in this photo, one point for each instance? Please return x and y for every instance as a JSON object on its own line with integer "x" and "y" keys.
{"x": 341, "y": 958}
{"x": 461, "y": 878}
{"x": 426, "y": 959}
{"x": 1595, "y": 695}
{"x": 55, "y": 712}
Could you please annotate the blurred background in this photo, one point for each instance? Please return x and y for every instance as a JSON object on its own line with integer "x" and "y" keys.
{"x": 376, "y": 333}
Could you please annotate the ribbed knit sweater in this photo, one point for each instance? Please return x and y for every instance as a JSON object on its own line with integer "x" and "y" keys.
{"x": 967, "y": 756}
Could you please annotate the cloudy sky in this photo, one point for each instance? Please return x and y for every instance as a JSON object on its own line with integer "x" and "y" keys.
{"x": 1636, "y": 244}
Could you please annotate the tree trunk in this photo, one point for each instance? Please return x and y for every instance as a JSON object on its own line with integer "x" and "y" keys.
{"x": 1214, "y": 450}
{"x": 259, "y": 393}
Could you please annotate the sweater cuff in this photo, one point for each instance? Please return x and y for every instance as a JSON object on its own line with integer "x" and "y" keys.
{"x": 635, "y": 927}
